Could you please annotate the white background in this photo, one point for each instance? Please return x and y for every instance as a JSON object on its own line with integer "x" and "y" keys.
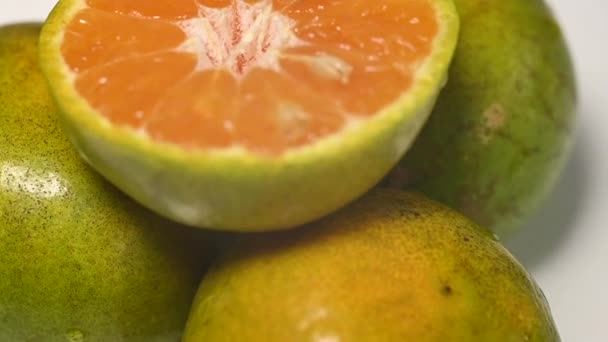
{"x": 566, "y": 243}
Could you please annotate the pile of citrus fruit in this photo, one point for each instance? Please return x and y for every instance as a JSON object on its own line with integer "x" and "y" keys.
{"x": 257, "y": 170}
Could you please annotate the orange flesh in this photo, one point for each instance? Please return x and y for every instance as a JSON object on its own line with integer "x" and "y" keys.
{"x": 267, "y": 75}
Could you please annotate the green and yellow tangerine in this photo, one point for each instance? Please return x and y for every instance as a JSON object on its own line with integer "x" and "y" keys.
{"x": 79, "y": 260}
{"x": 502, "y": 128}
{"x": 392, "y": 266}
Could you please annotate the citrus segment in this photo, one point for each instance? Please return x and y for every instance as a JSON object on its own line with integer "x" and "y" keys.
{"x": 106, "y": 85}
{"x": 246, "y": 114}
{"x": 86, "y": 46}
{"x": 352, "y": 57}
{"x": 203, "y": 95}
{"x": 174, "y": 9}
{"x": 355, "y": 97}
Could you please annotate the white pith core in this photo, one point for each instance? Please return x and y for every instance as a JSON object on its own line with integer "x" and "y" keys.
{"x": 242, "y": 36}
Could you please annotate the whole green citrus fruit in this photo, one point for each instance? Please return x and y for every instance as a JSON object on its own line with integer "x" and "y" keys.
{"x": 79, "y": 261}
{"x": 391, "y": 267}
{"x": 502, "y": 127}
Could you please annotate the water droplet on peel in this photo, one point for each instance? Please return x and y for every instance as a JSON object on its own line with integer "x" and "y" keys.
{"x": 75, "y": 335}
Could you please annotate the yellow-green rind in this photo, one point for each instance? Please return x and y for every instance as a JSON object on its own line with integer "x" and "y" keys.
{"x": 235, "y": 190}
{"x": 391, "y": 267}
{"x": 502, "y": 129}
{"x": 79, "y": 261}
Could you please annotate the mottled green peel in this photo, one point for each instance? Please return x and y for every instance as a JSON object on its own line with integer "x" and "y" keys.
{"x": 502, "y": 128}
{"x": 79, "y": 261}
{"x": 391, "y": 267}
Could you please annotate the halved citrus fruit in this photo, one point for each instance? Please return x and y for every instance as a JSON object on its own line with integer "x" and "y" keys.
{"x": 246, "y": 114}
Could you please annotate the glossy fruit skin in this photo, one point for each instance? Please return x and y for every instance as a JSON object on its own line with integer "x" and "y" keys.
{"x": 502, "y": 128}
{"x": 393, "y": 266}
{"x": 237, "y": 190}
{"x": 79, "y": 261}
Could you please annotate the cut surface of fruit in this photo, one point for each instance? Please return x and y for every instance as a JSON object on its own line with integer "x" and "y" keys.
{"x": 261, "y": 78}
{"x": 265, "y": 75}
